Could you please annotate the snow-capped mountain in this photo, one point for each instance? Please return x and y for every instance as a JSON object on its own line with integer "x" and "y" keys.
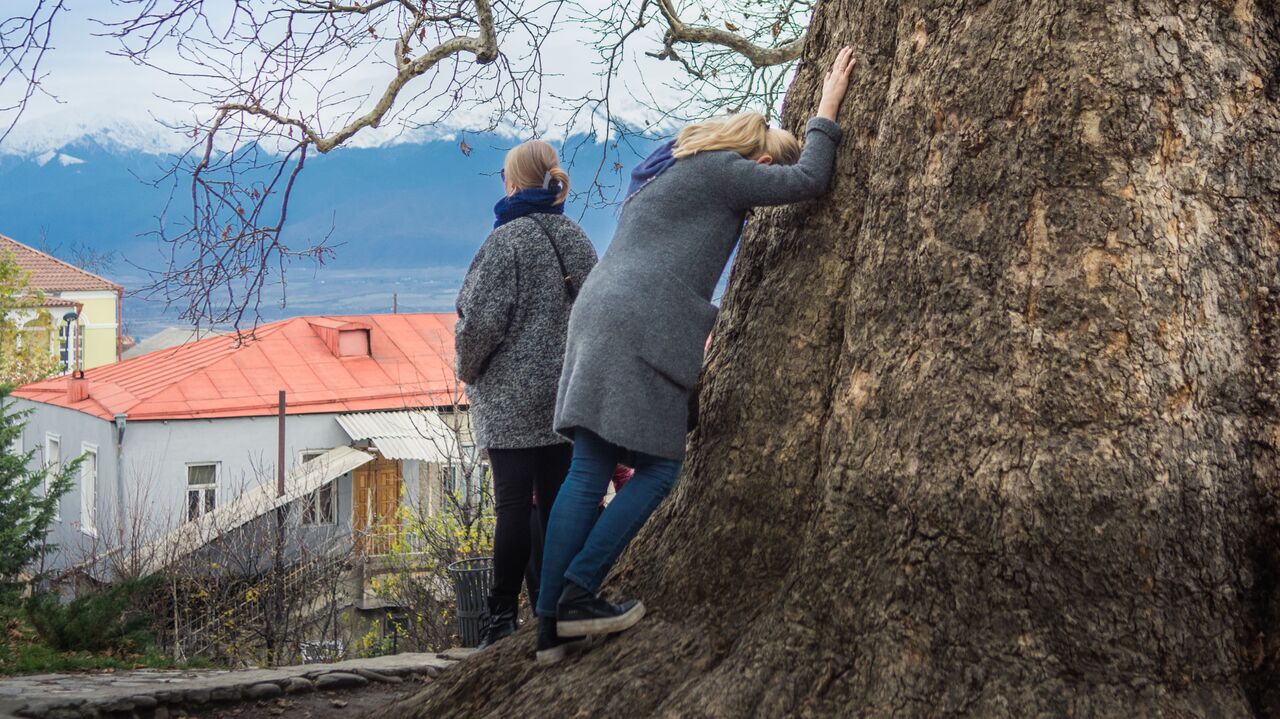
{"x": 62, "y": 158}
{"x": 404, "y": 218}
{"x": 36, "y": 137}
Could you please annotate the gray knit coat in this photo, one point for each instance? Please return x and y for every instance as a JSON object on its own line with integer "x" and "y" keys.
{"x": 639, "y": 330}
{"x": 513, "y": 309}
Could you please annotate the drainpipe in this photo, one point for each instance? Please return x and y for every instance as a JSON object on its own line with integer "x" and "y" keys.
{"x": 121, "y": 418}
{"x": 119, "y": 322}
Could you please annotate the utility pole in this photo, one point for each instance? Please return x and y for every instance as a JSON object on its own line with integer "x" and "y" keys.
{"x": 395, "y": 303}
{"x": 280, "y": 450}
{"x": 275, "y": 633}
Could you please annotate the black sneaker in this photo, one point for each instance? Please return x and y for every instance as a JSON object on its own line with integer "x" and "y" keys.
{"x": 502, "y": 622}
{"x": 553, "y": 648}
{"x": 580, "y": 613}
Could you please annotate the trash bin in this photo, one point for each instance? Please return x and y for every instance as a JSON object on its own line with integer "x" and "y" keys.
{"x": 472, "y": 579}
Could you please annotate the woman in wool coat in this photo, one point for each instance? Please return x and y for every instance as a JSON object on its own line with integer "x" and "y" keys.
{"x": 513, "y": 310}
{"x": 637, "y": 336}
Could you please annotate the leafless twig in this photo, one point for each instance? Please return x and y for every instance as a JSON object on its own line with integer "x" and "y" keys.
{"x": 24, "y": 40}
{"x": 281, "y": 82}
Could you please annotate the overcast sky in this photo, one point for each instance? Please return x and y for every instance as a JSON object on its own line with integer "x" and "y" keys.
{"x": 114, "y": 100}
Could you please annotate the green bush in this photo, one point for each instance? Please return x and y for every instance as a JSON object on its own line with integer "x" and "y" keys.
{"x": 109, "y": 620}
{"x": 28, "y": 501}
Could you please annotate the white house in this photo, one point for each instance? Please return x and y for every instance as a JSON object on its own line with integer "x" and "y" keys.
{"x": 185, "y": 438}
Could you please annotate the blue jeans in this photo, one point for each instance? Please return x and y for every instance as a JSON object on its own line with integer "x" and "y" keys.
{"x": 581, "y": 548}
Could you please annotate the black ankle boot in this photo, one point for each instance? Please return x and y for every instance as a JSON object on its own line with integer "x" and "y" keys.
{"x": 552, "y": 647}
{"x": 502, "y": 621}
{"x": 580, "y": 613}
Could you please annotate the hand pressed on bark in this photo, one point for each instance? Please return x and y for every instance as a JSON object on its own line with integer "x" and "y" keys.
{"x": 836, "y": 83}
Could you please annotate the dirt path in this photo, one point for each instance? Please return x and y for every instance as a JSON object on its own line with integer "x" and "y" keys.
{"x": 348, "y": 703}
{"x": 347, "y": 688}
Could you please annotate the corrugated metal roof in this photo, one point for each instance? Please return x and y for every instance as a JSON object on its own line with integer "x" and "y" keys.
{"x": 410, "y": 364}
{"x": 250, "y": 504}
{"x": 410, "y": 434}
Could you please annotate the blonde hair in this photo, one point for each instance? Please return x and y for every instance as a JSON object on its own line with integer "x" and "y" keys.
{"x": 746, "y": 133}
{"x": 534, "y": 164}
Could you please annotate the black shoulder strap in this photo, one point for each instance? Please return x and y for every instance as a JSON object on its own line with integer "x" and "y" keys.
{"x": 568, "y": 280}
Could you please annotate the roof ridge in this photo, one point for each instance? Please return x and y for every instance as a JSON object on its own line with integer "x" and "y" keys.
{"x": 81, "y": 270}
{"x": 196, "y": 368}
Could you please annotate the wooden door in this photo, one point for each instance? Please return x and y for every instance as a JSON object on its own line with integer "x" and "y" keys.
{"x": 374, "y": 504}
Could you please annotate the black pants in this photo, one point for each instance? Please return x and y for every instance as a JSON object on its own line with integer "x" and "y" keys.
{"x": 517, "y": 474}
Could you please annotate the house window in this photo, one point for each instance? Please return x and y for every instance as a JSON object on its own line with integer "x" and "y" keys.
{"x": 202, "y": 489}
{"x": 310, "y": 454}
{"x": 53, "y": 453}
{"x": 52, "y": 466}
{"x": 486, "y": 481}
{"x": 463, "y": 487}
{"x": 449, "y": 481}
{"x": 89, "y": 490}
{"x": 321, "y": 506}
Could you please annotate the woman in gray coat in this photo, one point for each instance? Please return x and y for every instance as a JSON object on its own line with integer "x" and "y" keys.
{"x": 637, "y": 336}
{"x": 513, "y": 309}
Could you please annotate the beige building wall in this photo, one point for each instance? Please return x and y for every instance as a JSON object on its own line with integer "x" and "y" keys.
{"x": 99, "y": 325}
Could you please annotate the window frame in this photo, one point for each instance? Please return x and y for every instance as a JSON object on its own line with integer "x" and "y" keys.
{"x": 450, "y": 478}
{"x": 57, "y": 439}
{"x": 204, "y": 505}
{"x": 89, "y": 507}
{"x": 302, "y": 454}
{"x": 312, "y": 516}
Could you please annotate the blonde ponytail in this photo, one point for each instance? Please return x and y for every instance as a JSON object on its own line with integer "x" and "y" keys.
{"x": 534, "y": 164}
{"x": 746, "y": 133}
{"x": 559, "y": 175}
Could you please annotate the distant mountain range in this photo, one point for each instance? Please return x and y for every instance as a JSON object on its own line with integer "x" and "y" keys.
{"x": 407, "y": 217}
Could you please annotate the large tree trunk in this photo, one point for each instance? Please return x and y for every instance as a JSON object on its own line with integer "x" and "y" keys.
{"x": 993, "y": 429}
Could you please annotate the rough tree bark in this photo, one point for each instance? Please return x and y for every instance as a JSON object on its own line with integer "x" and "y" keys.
{"x": 993, "y": 430}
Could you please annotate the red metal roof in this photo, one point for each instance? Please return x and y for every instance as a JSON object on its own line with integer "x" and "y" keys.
{"x": 410, "y": 365}
{"x": 50, "y": 274}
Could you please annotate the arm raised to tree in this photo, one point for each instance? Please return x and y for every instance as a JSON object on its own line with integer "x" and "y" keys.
{"x": 748, "y": 183}
{"x": 836, "y": 83}
{"x": 745, "y": 183}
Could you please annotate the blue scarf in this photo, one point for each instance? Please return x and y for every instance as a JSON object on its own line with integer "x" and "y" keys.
{"x": 527, "y": 202}
{"x": 655, "y": 164}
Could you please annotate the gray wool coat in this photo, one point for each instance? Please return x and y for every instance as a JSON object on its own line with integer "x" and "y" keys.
{"x": 513, "y": 309}
{"x": 639, "y": 329}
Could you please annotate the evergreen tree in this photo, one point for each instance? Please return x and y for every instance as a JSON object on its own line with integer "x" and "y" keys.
{"x": 28, "y": 499}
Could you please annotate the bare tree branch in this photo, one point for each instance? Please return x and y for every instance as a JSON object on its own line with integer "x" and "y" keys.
{"x": 761, "y": 56}
{"x": 483, "y": 46}
{"x": 24, "y": 40}
{"x": 287, "y": 80}
{"x": 270, "y": 83}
